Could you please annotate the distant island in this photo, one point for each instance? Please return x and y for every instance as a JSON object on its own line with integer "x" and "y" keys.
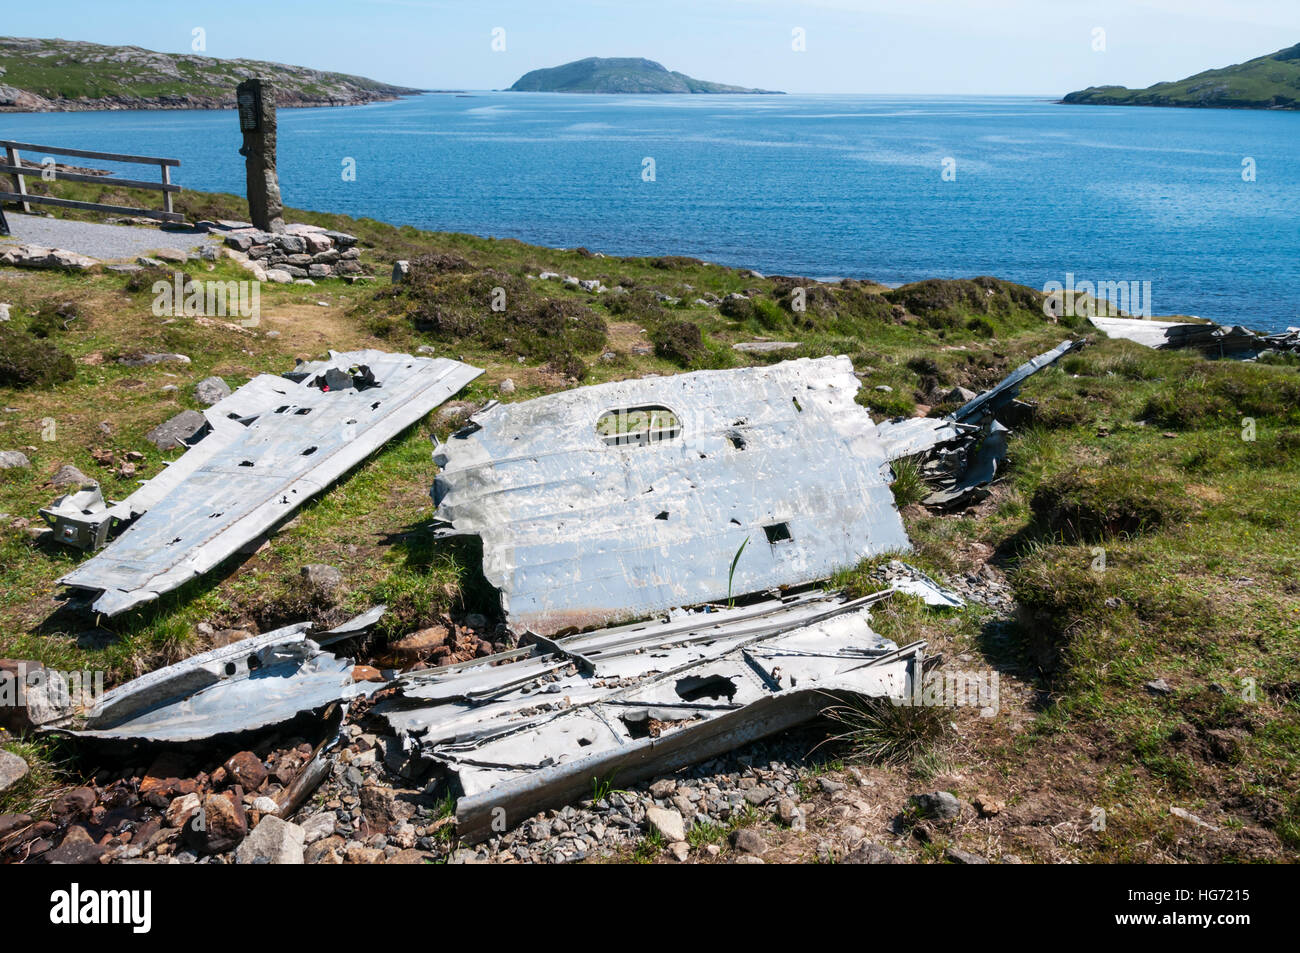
{"x": 68, "y": 75}
{"x": 1267, "y": 82}
{"x": 620, "y": 75}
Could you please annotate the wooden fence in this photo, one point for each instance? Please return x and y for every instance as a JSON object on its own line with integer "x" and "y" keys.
{"x": 14, "y": 167}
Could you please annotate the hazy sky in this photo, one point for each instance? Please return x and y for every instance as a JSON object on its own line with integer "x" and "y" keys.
{"x": 852, "y": 46}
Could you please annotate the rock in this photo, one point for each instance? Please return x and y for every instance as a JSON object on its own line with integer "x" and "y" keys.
{"x": 958, "y": 395}
{"x": 220, "y": 826}
{"x": 323, "y": 579}
{"x": 4, "y": 312}
{"x": 937, "y": 805}
{"x": 1159, "y": 687}
{"x": 507, "y": 386}
{"x": 274, "y": 841}
{"x": 77, "y": 848}
{"x": 884, "y": 388}
{"x": 73, "y": 803}
{"x": 174, "y": 255}
{"x": 787, "y": 810}
{"x": 319, "y": 826}
{"x": 166, "y": 779}
{"x": 44, "y": 694}
{"x": 663, "y": 788}
{"x": 175, "y": 432}
{"x": 68, "y": 475}
{"x": 668, "y": 823}
{"x": 182, "y": 809}
{"x": 759, "y": 794}
{"x": 224, "y": 637}
{"x": 361, "y": 854}
{"x": 279, "y": 276}
{"x": 383, "y": 807}
{"x": 328, "y": 850}
{"x": 148, "y": 360}
{"x": 412, "y": 856}
{"x": 830, "y": 785}
{"x": 871, "y": 853}
{"x": 419, "y": 645}
{"x": 246, "y": 770}
{"x": 12, "y": 769}
{"x": 265, "y": 805}
{"x": 401, "y": 271}
{"x": 12, "y": 822}
{"x": 748, "y": 841}
{"x": 13, "y": 459}
{"x": 366, "y": 673}
{"x": 955, "y": 855}
{"x": 748, "y": 859}
{"x": 210, "y": 390}
{"x": 680, "y": 851}
{"x": 987, "y": 806}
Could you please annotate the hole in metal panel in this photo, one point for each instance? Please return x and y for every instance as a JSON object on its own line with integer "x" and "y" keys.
{"x": 778, "y": 533}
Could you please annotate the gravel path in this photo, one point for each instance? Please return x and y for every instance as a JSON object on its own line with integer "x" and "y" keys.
{"x": 105, "y": 242}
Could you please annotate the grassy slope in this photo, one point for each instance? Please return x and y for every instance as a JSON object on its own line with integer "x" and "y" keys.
{"x": 1266, "y": 82}
{"x": 1137, "y": 452}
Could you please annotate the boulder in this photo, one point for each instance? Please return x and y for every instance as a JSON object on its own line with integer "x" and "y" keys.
{"x": 13, "y": 459}
{"x": 210, "y": 390}
{"x": 273, "y": 841}
{"x": 12, "y": 769}
{"x": 68, "y": 475}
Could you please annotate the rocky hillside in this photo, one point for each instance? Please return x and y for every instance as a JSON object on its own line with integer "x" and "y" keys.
{"x": 63, "y": 75}
{"x": 1266, "y": 82}
{"x": 618, "y": 75}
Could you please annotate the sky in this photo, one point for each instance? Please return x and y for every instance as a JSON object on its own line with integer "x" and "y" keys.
{"x": 895, "y": 47}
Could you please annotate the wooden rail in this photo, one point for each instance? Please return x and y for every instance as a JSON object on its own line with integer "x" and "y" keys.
{"x": 15, "y": 168}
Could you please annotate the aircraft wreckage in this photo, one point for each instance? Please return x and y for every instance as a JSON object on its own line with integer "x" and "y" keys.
{"x": 639, "y": 511}
{"x": 267, "y": 448}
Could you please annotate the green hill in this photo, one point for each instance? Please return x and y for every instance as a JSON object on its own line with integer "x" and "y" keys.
{"x": 618, "y": 75}
{"x": 60, "y": 75}
{"x": 1267, "y": 82}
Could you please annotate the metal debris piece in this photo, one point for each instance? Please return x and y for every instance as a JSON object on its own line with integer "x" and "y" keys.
{"x": 274, "y": 444}
{"x": 908, "y": 579}
{"x": 536, "y": 727}
{"x": 247, "y": 685}
{"x": 1213, "y": 340}
{"x": 616, "y": 501}
{"x": 80, "y": 518}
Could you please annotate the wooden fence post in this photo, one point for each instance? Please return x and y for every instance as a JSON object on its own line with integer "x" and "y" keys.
{"x": 20, "y": 186}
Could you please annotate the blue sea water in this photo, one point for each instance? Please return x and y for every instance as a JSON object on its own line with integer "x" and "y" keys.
{"x": 823, "y": 186}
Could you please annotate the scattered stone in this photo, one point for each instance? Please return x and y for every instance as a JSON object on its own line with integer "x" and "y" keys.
{"x": 668, "y": 823}
{"x": 937, "y": 805}
{"x": 148, "y": 360}
{"x": 319, "y": 826}
{"x": 680, "y": 851}
{"x": 987, "y": 806}
{"x": 74, "y": 802}
{"x": 182, "y": 809}
{"x": 13, "y": 459}
{"x": 401, "y": 271}
{"x": 12, "y": 769}
{"x": 273, "y": 841}
{"x": 220, "y": 826}
{"x": 166, "y": 779}
{"x": 246, "y": 770}
{"x": 175, "y": 432}
{"x": 210, "y": 390}
{"x": 1159, "y": 687}
{"x": 68, "y": 475}
{"x": 830, "y": 785}
{"x": 870, "y": 852}
{"x": 748, "y": 841}
{"x": 38, "y": 256}
{"x": 323, "y": 579}
{"x": 955, "y": 855}
{"x": 507, "y": 386}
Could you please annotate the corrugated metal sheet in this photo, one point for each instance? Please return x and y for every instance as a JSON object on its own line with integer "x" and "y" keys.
{"x": 274, "y": 444}
{"x": 581, "y": 527}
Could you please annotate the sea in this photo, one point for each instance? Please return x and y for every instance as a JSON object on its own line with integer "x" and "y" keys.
{"x": 1201, "y": 207}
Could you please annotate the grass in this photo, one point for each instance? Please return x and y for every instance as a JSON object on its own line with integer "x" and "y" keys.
{"x": 1143, "y": 535}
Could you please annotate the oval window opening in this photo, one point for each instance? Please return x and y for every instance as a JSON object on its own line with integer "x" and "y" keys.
{"x": 638, "y": 426}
